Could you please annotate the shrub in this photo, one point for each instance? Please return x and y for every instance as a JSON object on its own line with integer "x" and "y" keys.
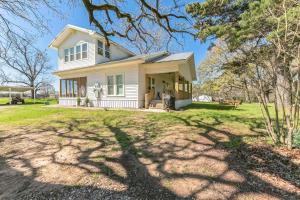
{"x": 87, "y": 101}
{"x": 78, "y": 101}
{"x": 297, "y": 139}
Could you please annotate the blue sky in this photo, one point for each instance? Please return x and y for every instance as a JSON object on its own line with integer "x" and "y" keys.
{"x": 78, "y": 16}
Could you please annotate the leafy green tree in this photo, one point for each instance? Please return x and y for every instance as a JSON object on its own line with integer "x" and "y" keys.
{"x": 222, "y": 81}
{"x": 265, "y": 35}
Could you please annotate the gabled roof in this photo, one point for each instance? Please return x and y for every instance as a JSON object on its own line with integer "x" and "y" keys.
{"x": 68, "y": 29}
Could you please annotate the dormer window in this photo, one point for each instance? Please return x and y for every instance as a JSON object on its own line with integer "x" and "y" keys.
{"x": 103, "y": 49}
{"x": 100, "y": 48}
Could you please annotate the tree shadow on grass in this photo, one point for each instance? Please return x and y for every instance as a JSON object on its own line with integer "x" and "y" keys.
{"x": 172, "y": 164}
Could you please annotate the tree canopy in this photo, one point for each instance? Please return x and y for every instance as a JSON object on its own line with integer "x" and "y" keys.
{"x": 264, "y": 37}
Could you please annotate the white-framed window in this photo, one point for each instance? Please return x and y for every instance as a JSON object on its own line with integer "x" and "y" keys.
{"x": 78, "y": 52}
{"x": 107, "y": 52}
{"x": 72, "y": 54}
{"x": 110, "y": 85}
{"x": 115, "y": 85}
{"x": 103, "y": 49}
{"x": 100, "y": 48}
{"x": 84, "y": 50}
{"x": 66, "y": 51}
{"x": 119, "y": 84}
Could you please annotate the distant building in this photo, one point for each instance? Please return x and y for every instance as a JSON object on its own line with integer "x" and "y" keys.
{"x": 203, "y": 98}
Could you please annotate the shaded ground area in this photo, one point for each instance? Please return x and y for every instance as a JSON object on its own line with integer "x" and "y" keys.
{"x": 133, "y": 155}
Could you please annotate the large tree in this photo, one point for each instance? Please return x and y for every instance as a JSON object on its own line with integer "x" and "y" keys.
{"x": 23, "y": 64}
{"x": 25, "y": 17}
{"x": 271, "y": 29}
{"x": 146, "y": 22}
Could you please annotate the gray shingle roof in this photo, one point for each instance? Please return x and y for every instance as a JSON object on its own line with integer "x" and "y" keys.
{"x": 174, "y": 57}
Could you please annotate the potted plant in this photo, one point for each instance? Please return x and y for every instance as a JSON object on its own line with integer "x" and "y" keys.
{"x": 78, "y": 101}
{"x": 87, "y": 102}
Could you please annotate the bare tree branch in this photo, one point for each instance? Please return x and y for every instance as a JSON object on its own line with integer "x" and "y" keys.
{"x": 28, "y": 64}
{"x": 139, "y": 20}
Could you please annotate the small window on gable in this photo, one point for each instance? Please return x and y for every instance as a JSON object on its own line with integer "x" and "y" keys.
{"x": 107, "y": 52}
{"x": 66, "y": 55}
{"x": 84, "y": 50}
{"x": 100, "y": 47}
{"x": 78, "y": 52}
{"x": 71, "y": 54}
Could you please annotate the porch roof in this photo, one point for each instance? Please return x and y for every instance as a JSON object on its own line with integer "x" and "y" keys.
{"x": 15, "y": 88}
{"x": 173, "y": 57}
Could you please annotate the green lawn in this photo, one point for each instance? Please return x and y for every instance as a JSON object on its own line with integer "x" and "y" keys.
{"x": 3, "y": 100}
{"x": 244, "y": 121}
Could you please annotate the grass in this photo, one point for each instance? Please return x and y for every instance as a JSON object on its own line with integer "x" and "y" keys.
{"x": 4, "y": 100}
{"x": 247, "y": 116}
{"x": 245, "y": 121}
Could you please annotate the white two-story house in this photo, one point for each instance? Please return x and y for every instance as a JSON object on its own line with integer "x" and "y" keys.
{"x": 114, "y": 77}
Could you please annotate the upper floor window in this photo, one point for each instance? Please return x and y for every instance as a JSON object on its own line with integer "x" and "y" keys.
{"x": 100, "y": 47}
{"x": 71, "y": 54}
{"x": 107, "y": 52}
{"x": 66, "y": 55}
{"x": 103, "y": 49}
{"x": 76, "y": 53}
{"x": 84, "y": 50}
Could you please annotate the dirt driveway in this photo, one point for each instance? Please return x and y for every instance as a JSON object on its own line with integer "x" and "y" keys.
{"x": 127, "y": 161}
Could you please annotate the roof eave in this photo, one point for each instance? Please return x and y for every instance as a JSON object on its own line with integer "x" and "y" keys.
{"x": 96, "y": 67}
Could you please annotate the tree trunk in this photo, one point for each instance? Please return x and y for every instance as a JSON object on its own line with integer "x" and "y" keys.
{"x": 290, "y": 138}
{"x": 32, "y": 94}
{"x": 284, "y": 91}
{"x": 33, "y": 90}
{"x": 284, "y": 101}
{"x": 247, "y": 93}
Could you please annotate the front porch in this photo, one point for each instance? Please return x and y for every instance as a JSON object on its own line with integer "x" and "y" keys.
{"x": 167, "y": 91}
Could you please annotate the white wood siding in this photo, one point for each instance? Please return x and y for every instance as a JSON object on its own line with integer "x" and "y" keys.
{"x": 182, "y": 103}
{"x": 115, "y": 52}
{"x": 128, "y": 100}
{"x": 184, "y": 70}
{"x": 74, "y": 39}
{"x": 93, "y": 58}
